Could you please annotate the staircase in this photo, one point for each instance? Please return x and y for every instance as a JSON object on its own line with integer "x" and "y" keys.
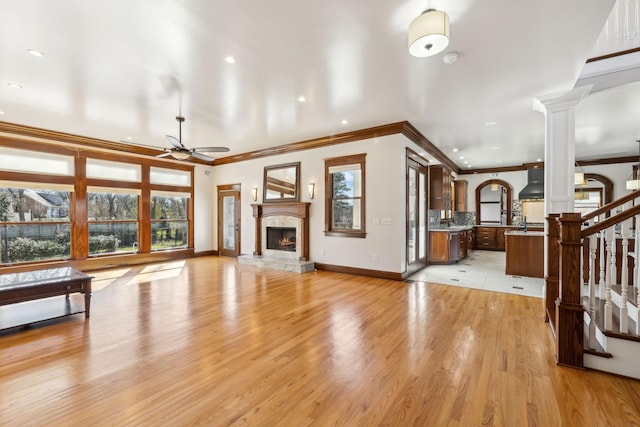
{"x": 592, "y": 299}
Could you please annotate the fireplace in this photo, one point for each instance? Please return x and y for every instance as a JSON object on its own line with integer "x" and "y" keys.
{"x": 281, "y": 238}
{"x": 293, "y": 219}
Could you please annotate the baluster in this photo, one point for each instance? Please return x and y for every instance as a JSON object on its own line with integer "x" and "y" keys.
{"x": 608, "y": 308}
{"x": 637, "y": 279}
{"x": 624, "y": 313}
{"x": 593, "y": 241}
{"x": 601, "y": 282}
{"x": 614, "y": 257}
{"x": 636, "y": 251}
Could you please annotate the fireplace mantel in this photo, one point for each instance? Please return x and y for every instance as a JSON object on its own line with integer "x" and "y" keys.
{"x": 294, "y": 209}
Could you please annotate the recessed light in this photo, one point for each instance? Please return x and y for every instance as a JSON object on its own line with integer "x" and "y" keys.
{"x": 35, "y": 52}
{"x": 490, "y": 124}
{"x": 538, "y": 160}
{"x": 455, "y": 150}
{"x": 461, "y": 157}
{"x": 468, "y": 166}
{"x": 302, "y": 99}
{"x": 230, "y": 60}
{"x": 450, "y": 58}
{"x": 495, "y": 148}
{"x": 344, "y": 122}
{"x": 1, "y": 113}
{"x": 465, "y": 162}
{"x": 128, "y": 138}
{"x": 15, "y": 85}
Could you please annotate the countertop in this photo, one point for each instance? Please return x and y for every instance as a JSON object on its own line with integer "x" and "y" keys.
{"x": 523, "y": 233}
{"x": 453, "y": 228}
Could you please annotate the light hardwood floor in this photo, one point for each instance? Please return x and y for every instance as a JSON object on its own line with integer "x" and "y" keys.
{"x": 207, "y": 342}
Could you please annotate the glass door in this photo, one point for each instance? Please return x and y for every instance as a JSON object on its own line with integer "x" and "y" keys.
{"x": 229, "y": 220}
{"x": 416, "y": 214}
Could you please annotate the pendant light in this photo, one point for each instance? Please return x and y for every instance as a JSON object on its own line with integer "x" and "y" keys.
{"x": 634, "y": 184}
{"x": 429, "y": 33}
{"x": 578, "y": 177}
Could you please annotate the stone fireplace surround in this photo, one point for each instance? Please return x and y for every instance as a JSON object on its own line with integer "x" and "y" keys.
{"x": 281, "y": 214}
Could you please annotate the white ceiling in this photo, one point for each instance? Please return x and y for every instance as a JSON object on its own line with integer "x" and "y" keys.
{"x": 116, "y": 69}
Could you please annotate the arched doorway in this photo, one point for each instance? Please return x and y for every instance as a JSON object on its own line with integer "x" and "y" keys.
{"x": 493, "y": 202}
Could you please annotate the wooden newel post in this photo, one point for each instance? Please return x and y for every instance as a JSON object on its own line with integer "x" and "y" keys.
{"x": 569, "y": 310}
{"x": 552, "y": 271}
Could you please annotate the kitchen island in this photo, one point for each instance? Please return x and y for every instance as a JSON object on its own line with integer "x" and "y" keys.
{"x": 524, "y": 253}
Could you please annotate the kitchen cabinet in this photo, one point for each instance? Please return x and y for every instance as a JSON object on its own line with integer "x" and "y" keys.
{"x": 448, "y": 246}
{"x": 493, "y": 238}
{"x": 485, "y": 237}
{"x": 524, "y": 253}
{"x": 440, "y": 188}
{"x": 460, "y": 195}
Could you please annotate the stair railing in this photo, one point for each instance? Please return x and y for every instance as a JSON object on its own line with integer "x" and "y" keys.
{"x": 573, "y": 239}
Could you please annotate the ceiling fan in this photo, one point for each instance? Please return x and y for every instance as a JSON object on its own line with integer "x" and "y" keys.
{"x": 180, "y": 152}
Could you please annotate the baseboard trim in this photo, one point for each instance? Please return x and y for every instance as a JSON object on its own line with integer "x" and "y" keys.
{"x": 360, "y": 271}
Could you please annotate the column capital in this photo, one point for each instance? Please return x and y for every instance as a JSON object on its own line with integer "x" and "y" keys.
{"x": 561, "y": 100}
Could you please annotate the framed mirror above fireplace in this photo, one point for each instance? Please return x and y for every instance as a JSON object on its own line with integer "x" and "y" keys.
{"x": 281, "y": 183}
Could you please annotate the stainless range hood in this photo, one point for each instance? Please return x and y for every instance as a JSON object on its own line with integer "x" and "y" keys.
{"x": 534, "y": 190}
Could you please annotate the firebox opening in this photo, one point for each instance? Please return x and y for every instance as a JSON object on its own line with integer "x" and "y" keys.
{"x": 281, "y": 238}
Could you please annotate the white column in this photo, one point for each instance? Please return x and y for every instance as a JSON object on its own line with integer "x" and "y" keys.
{"x": 559, "y": 151}
{"x": 559, "y": 147}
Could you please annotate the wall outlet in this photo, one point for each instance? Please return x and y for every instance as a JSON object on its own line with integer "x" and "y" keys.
{"x": 374, "y": 257}
{"x": 322, "y": 252}
{"x": 385, "y": 221}
{"x": 376, "y": 221}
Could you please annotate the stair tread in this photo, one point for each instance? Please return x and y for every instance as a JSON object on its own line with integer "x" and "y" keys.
{"x": 632, "y": 293}
{"x": 614, "y": 332}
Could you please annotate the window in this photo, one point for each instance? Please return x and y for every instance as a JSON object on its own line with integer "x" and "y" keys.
{"x": 345, "y": 196}
{"x": 169, "y": 220}
{"x": 35, "y": 224}
{"x": 113, "y": 221}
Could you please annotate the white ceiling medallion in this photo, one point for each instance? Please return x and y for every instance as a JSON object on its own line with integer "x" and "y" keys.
{"x": 429, "y": 33}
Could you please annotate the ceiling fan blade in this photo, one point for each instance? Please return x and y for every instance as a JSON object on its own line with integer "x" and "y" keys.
{"x": 167, "y": 154}
{"x": 211, "y": 149}
{"x": 174, "y": 141}
{"x": 201, "y": 156}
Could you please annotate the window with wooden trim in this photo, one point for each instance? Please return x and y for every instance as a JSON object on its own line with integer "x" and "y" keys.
{"x": 345, "y": 196}
{"x": 35, "y": 222}
{"x": 169, "y": 220}
{"x": 113, "y": 220}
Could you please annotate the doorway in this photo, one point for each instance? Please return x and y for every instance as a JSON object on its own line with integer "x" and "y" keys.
{"x": 229, "y": 220}
{"x": 416, "y": 250}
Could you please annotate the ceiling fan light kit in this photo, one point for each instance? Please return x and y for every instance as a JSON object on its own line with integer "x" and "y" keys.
{"x": 429, "y": 33}
{"x": 180, "y": 152}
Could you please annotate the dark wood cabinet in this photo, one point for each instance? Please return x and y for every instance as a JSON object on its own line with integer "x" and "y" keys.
{"x": 440, "y": 188}
{"x": 439, "y": 247}
{"x": 460, "y": 196}
{"x": 448, "y": 246}
{"x": 492, "y": 238}
{"x": 485, "y": 237}
{"x": 525, "y": 254}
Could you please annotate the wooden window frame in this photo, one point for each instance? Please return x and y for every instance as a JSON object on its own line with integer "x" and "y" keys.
{"x": 328, "y": 179}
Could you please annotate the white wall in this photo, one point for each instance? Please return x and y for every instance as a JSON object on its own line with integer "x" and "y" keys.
{"x": 385, "y": 200}
{"x": 204, "y": 204}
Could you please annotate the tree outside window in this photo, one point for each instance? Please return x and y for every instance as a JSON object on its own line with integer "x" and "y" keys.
{"x": 345, "y": 195}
